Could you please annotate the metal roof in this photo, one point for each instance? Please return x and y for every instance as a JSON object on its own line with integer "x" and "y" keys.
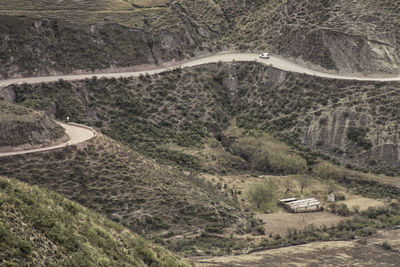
{"x": 302, "y": 203}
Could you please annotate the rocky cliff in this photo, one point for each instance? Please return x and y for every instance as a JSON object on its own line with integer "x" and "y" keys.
{"x": 22, "y": 128}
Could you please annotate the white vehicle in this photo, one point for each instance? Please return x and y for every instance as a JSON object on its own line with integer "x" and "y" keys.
{"x": 264, "y": 55}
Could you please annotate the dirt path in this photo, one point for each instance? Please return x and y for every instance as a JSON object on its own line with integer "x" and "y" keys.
{"x": 275, "y": 61}
{"x": 77, "y": 133}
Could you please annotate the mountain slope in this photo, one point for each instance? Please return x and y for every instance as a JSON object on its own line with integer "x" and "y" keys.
{"x": 352, "y": 121}
{"x": 81, "y": 36}
{"x": 131, "y": 189}
{"x": 53, "y": 37}
{"x": 38, "y": 227}
{"x": 355, "y": 36}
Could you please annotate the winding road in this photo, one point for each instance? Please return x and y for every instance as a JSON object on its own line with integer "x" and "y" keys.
{"x": 274, "y": 61}
{"x": 77, "y": 134}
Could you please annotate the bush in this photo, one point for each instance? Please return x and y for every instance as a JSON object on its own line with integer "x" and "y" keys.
{"x": 267, "y": 155}
{"x": 340, "y": 209}
{"x": 386, "y": 245}
{"x": 357, "y": 135}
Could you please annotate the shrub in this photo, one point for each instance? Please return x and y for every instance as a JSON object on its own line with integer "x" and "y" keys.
{"x": 357, "y": 135}
{"x": 386, "y": 245}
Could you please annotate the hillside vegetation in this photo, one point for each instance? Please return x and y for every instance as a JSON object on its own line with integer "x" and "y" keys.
{"x": 151, "y": 199}
{"x": 191, "y": 143}
{"x": 39, "y": 227}
{"x": 75, "y": 36}
{"x": 50, "y": 37}
{"x": 352, "y": 121}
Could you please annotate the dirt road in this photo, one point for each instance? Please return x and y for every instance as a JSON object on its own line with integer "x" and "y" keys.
{"x": 77, "y": 133}
{"x": 275, "y": 61}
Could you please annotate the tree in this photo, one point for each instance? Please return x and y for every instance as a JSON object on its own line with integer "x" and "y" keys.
{"x": 289, "y": 185}
{"x": 304, "y": 181}
{"x": 263, "y": 194}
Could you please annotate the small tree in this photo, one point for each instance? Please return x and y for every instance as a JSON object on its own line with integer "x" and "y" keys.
{"x": 263, "y": 194}
{"x": 289, "y": 185}
{"x": 304, "y": 182}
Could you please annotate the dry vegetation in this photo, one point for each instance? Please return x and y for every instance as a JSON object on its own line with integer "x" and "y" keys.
{"x": 357, "y": 36}
{"x": 381, "y": 249}
{"x": 163, "y": 203}
{"x": 234, "y": 123}
{"x": 38, "y": 227}
{"x": 353, "y": 122}
{"x": 244, "y": 127}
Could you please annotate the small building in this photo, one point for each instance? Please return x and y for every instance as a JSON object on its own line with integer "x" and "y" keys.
{"x": 303, "y": 205}
{"x": 331, "y": 197}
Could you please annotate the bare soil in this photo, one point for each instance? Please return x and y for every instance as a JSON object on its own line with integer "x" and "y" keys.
{"x": 363, "y": 252}
{"x": 279, "y": 223}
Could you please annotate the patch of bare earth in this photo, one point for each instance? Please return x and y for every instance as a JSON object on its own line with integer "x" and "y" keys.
{"x": 279, "y": 223}
{"x": 363, "y": 252}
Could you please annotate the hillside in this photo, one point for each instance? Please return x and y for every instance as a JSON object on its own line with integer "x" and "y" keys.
{"x": 22, "y": 128}
{"x": 81, "y": 36}
{"x": 49, "y": 37}
{"x": 353, "y": 122}
{"x": 182, "y": 151}
{"x": 355, "y": 36}
{"x": 39, "y": 227}
{"x": 158, "y": 201}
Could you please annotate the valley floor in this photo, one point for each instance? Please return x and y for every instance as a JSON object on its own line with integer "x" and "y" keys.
{"x": 382, "y": 249}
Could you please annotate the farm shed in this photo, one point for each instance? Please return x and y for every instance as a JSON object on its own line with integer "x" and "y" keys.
{"x": 303, "y": 205}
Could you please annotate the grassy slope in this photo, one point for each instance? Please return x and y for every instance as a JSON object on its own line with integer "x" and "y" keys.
{"x": 39, "y": 227}
{"x": 117, "y": 182}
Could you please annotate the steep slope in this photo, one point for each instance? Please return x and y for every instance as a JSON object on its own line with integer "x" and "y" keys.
{"x": 48, "y": 37}
{"x": 348, "y": 36}
{"x": 148, "y": 198}
{"x": 22, "y": 128}
{"x": 353, "y": 121}
{"x": 39, "y": 227}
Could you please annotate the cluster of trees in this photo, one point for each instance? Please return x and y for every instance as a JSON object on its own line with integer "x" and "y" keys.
{"x": 264, "y": 194}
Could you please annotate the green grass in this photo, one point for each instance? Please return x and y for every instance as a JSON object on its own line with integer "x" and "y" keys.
{"x": 39, "y": 227}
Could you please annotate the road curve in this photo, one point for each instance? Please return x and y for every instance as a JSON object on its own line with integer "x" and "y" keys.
{"x": 77, "y": 133}
{"x": 274, "y": 61}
